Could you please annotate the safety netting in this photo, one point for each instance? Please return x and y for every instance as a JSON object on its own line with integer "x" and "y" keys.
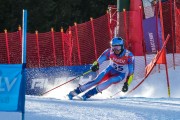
{"x": 82, "y": 43}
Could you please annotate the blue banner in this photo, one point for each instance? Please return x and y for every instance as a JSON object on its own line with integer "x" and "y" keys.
{"x": 40, "y": 80}
{"x": 152, "y": 34}
{"x": 10, "y": 81}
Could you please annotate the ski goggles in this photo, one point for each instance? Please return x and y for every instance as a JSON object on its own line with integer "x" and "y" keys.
{"x": 114, "y": 48}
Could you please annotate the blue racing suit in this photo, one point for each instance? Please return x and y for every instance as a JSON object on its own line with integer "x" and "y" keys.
{"x": 119, "y": 67}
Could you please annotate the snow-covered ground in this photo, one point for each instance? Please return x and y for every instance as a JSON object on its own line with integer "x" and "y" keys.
{"x": 130, "y": 108}
{"x": 148, "y": 102}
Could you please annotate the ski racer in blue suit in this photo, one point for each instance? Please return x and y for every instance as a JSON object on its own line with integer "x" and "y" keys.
{"x": 121, "y": 66}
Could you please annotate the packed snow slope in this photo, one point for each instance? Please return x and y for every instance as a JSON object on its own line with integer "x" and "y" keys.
{"x": 148, "y": 102}
{"x": 130, "y": 108}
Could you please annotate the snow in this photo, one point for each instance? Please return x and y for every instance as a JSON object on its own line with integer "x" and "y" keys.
{"x": 148, "y": 102}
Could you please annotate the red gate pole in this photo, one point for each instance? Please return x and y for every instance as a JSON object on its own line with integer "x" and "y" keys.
{"x": 162, "y": 27}
{"x": 37, "y": 45}
{"x": 53, "y": 45}
{"x": 7, "y": 46}
{"x": 94, "y": 39}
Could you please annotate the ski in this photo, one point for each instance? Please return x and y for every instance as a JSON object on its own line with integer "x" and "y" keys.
{"x": 78, "y": 98}
{"x": 74, "y": 98}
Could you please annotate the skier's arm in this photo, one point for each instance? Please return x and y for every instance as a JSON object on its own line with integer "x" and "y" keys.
{"x": 130, "y": 75}
{"x": 103, "y": 57}
{"x": 131, "y": 64}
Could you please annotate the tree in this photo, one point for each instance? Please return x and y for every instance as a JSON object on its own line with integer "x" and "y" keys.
{"x": 10, "y": 14}
{"x": 44, "y": 14}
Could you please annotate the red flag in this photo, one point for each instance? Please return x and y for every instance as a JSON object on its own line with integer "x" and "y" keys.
{"x": 162, "y": 58}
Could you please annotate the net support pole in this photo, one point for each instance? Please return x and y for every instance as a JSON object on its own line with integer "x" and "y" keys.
{"x": 7, "y": 46}
{"x": 53, "y": 46}
{"x": 63, "y": 47}
{"x": 162, "y": 27}
{"x": 94, "y": 39}
{"x": 78, "y": 45}
{"x": 37, "y": 45}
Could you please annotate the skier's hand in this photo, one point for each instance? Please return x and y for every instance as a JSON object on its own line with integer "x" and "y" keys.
{"x": 125, "y": 87}
{"x": 95, "y": 66}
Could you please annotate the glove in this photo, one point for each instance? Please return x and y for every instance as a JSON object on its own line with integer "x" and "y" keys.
{"x": 125, "y": 87}
{"x": 95, "y": 66}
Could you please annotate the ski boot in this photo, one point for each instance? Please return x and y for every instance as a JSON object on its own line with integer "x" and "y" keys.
{"x": 90, "y": 93}
{"x": 74, "y": 93}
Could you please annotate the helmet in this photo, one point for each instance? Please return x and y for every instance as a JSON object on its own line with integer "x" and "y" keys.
{"x": 117, "y": 41}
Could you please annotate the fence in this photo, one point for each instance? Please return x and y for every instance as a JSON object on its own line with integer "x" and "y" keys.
{"x": 82, "y": 43}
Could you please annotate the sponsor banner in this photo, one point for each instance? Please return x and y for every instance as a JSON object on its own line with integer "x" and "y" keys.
{"x": 40, "y": 80}
{"x": 152, "y": 34}
{"x": 10, "y": 81}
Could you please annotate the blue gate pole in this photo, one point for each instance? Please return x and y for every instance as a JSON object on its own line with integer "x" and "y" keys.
{"x": 24, "y": 36}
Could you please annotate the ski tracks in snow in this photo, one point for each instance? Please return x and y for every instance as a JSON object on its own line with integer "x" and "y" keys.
{"x": 123, "y": 108}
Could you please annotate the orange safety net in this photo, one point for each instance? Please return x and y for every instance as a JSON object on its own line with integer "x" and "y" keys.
{"x": 82, "y": 36}
{"x": 83, "y": 43}
{"x": 3, "y": 51}
{"x": 102, "y": 33}
{"x": 32, "y": 51}
{"x": 10, "y": 44}
{"x": 58, "y": 41}
{"x": 14, "y": 42}
{"x": 168, "y": 24}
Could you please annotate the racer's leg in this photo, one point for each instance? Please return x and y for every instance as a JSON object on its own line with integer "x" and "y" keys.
{"x": 103, "y": 86}
{"x": 112, "y": 80}
{"x": 88, "y": 85}
{"x": 96, "y": 80}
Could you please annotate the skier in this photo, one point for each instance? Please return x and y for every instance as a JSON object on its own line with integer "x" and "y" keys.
{"x": 121, "y": 66}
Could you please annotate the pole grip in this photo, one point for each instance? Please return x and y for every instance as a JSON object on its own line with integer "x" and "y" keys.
{"x": 86, "y": 72}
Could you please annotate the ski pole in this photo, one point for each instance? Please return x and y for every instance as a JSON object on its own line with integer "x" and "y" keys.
{"x": 67, "y": 82}
{"x": 115, "y": 94}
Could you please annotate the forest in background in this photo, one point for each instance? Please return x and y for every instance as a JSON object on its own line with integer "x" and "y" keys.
{"x": 44, "y": 14}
